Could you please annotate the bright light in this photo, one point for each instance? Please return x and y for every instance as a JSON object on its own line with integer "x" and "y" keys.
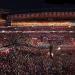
{"x": 3, "y": 31}
{"x": 59, "y": 48}
{"x": 69, "y": 26}
{"x": 5, "y": 38}
{"x": 71, "y": 31}
{"x": 53, "y": 31}
{"x": 49, "y": 54}
{"x": 41, "y": 23}
{"x": 52, "y": 54}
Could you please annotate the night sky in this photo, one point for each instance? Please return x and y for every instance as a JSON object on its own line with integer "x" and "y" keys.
{"x": 21, "y": 3}
{"x": 34, "y": 4}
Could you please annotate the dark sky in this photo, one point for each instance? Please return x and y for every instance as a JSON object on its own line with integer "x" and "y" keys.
{"x": 33, "y": 4}
{"x": 21, "y": 3}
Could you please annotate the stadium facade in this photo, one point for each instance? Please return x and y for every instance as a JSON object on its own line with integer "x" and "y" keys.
{"x": 37, "y": 18}
{"x": 40, "y": 18}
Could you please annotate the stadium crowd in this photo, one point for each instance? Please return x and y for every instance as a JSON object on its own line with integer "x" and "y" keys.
{"x": 23, "y": 59}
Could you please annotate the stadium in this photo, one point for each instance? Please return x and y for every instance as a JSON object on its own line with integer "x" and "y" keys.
{"x": 37, "y": 43}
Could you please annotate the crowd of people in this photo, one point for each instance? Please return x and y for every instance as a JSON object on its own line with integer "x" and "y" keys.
{"x": 27, "y": 60}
